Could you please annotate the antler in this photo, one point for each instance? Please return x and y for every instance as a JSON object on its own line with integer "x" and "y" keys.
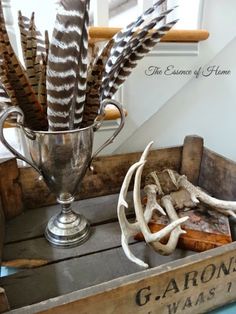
{"x": 226, "y": 207}
{"x": 130, "y": 229}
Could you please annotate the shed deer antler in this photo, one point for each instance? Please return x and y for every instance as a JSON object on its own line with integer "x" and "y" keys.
{"x": 143, "y": 217}
{"x": 225, "y": 207}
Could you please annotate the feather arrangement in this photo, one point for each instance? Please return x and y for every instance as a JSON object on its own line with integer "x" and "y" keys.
{"x": 121, "y": 55}
{"x": 59, "y": 89}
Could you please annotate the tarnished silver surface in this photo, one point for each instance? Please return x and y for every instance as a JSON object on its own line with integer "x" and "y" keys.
{"x": 62, "y": 158}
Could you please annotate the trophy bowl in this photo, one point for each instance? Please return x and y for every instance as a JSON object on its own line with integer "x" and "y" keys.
{"x": 62, "y": 159}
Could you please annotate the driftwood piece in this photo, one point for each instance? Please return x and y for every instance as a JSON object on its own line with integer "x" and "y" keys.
{"x": 105, "y": 180}
{"x": 192, "y": 158}
{"x": 10, "y": 190}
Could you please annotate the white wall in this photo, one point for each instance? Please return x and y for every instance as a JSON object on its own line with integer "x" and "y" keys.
{"x": 205, "y": 106}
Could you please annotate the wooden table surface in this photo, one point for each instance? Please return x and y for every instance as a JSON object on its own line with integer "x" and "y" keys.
{"x": 99, "y": 259}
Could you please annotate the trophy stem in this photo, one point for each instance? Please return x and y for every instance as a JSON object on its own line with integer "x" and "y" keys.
{"x": 68, "y": 228}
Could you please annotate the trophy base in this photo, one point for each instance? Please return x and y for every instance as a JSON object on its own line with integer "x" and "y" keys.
{"x": 67, "y": 230}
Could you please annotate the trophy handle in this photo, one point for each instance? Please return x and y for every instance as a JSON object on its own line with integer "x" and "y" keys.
{"x": 100, "y": 118}
{"x": 20, "y": 121}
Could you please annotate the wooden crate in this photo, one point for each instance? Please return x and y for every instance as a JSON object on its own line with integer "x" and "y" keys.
{"x": 96, "y": 277}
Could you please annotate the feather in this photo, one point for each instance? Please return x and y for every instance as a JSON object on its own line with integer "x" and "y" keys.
{"x": 83, "y": 66}
{"x": 6, "y": 86}
{"x": 31, "y": 62}
{"x": 4, "y": 98}
{"x": 42, "y": 90}
{"x": 94, "y": 81}
{"x": 131, "y": 61}
{"x": 122, "y": 38}
{"x": 140, "y": 38}
{"x": 67, "y": 65}
{"x": 23, "y": 23}
{"x": 15, "y": 74}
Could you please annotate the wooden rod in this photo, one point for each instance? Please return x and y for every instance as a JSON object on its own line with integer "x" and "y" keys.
{"x": 111, "y": 113}
{"x": 175, "y": 35}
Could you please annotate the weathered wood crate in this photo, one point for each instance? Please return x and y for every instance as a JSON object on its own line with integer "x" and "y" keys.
{"x": 96, "y": 277}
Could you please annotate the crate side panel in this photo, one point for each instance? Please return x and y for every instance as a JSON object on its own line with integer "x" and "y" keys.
{"x": 218, "y": 175}
{"x": 106, "y": 179}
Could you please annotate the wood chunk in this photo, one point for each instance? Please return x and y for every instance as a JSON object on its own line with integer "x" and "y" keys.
{"x": 206, "y": 229}
{"x": 25, "y": 263}
{"x": 10, "y": 189}
{"x": 4, "y": 305}
{"x": 192, "y": 157}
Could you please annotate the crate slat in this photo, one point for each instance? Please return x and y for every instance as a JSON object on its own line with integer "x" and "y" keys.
{"x": 192, "y": 158}
{"x": 77, "y": 273}
{"x": 97, "y": 210}
{"x": 218, "y": 175}
{"x": 106, "y": 179}
{"x": 103, "y": 237}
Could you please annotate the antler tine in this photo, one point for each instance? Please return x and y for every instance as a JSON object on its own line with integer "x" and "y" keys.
{"x": 167, "y": 249}
{"x": 152, "y": 205}
{"x": 128, "y": 229}
{"x": 148, "y": 236}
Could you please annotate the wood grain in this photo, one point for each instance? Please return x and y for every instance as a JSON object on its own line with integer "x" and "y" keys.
{"x": 206, "y": 229}
{"x": 77, "y": 273}
{"x": 218, "y": 175}
{"x": 10, "y": 190}
{"x": 187, "y": 289}
{"x": 197, "y": 283}
{"x": 105, "y": 180}
{"x": 103, "y": 237}
{"x": 192, "y": 158}
{"x": 98, "y": 210}
{"x": 174, "y": 35}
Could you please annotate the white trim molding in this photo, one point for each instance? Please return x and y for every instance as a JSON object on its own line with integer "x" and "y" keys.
{"x": 176, "y": 49}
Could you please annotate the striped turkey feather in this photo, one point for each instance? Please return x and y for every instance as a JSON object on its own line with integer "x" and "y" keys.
{"x": 67, "y": 65}
{"x": 122, "y": 38}
{"x": 137, "y": 38}
{"x": 132, "y": 59}
{"x": 111, "y": 53}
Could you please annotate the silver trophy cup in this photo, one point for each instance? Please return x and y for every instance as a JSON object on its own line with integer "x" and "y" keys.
{"x": 62, "y": 158}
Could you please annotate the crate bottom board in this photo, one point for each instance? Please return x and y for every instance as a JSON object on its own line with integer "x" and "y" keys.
{"x": 36, "y": 285}
{"x": 100, "y": 261}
